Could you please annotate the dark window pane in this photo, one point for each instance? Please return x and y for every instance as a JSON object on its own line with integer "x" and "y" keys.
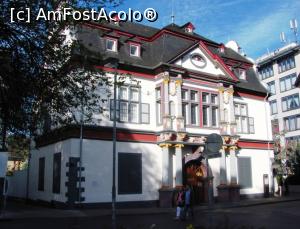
{"x": 194, "y": 114}
{"x": 41, "y": 174}
{"x": 56, "y": 172}
{"x": 205, "y": 115}
{"x": 129, "y": 173}
{"x": 245, "y": 172}
{"x": 214, "y": 116}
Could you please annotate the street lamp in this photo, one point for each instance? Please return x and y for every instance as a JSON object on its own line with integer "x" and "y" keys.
{"x": 113, "y": 62}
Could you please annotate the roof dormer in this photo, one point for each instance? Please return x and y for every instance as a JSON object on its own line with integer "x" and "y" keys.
{"x": 115, "y": 19}
{"x": 189, "y": 27}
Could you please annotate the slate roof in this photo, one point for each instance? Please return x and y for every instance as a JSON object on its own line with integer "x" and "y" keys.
{"x": 159, "y": 51}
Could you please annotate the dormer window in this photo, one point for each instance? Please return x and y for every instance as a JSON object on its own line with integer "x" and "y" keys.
{"x": 242, "y": 74}
{"x": 111, "y": 44}
{"x": 115, "y": 20}
{"x": 222, "y": 48}
{"x": 189, "y": 28}
{"x": 135, "y": 50}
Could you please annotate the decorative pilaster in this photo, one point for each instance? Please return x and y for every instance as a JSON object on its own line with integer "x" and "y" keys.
{"x": 166, "y": 81}
{"x": 223, "y": 173}
{"x": 166, "y": 166}
{"x": 178, "y": 154}
{"x": 233, "y": 165}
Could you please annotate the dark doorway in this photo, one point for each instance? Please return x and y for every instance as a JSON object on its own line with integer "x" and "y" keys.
{"x": 194, "y": 175}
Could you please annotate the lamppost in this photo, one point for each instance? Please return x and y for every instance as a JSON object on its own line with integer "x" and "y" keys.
{"x": 114, "y": 63}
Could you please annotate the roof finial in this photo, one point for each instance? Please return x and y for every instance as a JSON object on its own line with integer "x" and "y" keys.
{"x": 172, "y": 15}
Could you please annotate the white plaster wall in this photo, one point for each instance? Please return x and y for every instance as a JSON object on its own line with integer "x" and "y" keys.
{"x": 97, "y": 160}
{"x": 260, "y": 164}
{"x": 209, "y": 68}
{"x": 64, "y": 148}
{"x": 260, "y": 111}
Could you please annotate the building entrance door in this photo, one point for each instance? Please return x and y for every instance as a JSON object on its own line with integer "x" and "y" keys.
{"x": 194, "y": 176}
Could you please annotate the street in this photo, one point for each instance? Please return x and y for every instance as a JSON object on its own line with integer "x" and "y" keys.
{"x": 276, "y": 215}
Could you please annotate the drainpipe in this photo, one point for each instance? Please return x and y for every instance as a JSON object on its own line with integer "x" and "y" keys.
{"x": 268, "y": 133}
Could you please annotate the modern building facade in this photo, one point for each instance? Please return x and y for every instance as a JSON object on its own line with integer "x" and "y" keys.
{"x": 279, "y": 71}
{"x": 189, "y": 87}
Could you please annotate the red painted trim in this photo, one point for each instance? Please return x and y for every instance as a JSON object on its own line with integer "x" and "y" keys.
{"x": 255, "y": 145}
{"x": 250, "y": 96}
{"x": 136, "y": 137}
{"x": 216, "y": 57}
{"x": 126, "y": 72}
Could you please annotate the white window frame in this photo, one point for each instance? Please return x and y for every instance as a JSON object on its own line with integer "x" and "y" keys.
{"x": 115, "y": 44}
{"x": 138, "y": 49}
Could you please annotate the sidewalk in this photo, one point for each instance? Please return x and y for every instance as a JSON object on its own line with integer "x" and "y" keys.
{"x": 17, "y": 210}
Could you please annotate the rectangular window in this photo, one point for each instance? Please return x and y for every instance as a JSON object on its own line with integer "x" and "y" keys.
{"x": 129, "y": 107}
{"x": 245, "y": 124}
{"x": 111, "y": 44}
{"x": 194, "y": 95}
{"x": 286, "y": 63}
{"x": 185, "y": 112}
{"x": 209, "y": 109}
{"x": 266, "y": 71}
{"x": 134, "y": 112}
{"x": 184, "y": 94}
{"x": 271, "y": 87}
{"x": 158, "y": 112}
{"x": 205, "y": 115}
{"x": 194, "y": 114}
{"x": 56, "y": 173}
{"x": 292, "y": 123}
{"x": 129, "y": 173}
{"x": 273, "y": 105}
{"x": 145, "y": 113}
{"x": 290, "y": 102}
{"x": 244, "y": 172}
{"x": 41, "y": 178}
{"x": 135, "y": 50}
{"x": 287, "y": 82}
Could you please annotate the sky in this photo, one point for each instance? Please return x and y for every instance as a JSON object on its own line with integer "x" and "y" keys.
{"x": 254, "y": 24}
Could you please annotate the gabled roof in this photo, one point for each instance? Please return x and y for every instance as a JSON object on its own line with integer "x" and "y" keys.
{"x": 158, "y": 47}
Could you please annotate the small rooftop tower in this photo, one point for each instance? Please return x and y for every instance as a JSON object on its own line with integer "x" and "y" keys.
{"x": 233, "y": 45}
{"x": 282, "y": 37}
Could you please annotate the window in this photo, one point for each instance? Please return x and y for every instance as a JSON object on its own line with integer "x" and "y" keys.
{"x": 129, "y": 107}
{"x": 209, "y": 109}
{"x": 41, "y": 178}
{"x": 194, "y": 114}
{"x": 129, "y": 173}
{"x": 290, "y": 102}
{"x": 194, "y": 96}
{"x": 184, "y": 94}
{"x": 273, "y": 106}
{"x": 244, "y": 172}
{"x": 185, "y": 107}
{"x": 292, "y": 123}
{"x": 56, "y": 173}
{"x": 111, "y": 44}
{"x": 135, "y": 50}
{"x": 266, "y": 71}
{"x": 245, "y": 124}
{"x": 286, "y": 64}
{"x": 287, "y": 82}
{"x": 271, "y": 87}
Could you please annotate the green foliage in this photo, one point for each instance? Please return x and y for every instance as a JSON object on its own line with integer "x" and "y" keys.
{"x": 45, "y": 80}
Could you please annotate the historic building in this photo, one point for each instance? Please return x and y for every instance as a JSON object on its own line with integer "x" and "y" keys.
{"x": 279, "y": 71}
{"x": 188, "y": 87}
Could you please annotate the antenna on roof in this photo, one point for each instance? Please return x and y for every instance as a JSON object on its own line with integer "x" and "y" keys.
{"x": 282, "y": 37}
{"x": 172, "y": 15}
{"x": 294, "y": 28}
